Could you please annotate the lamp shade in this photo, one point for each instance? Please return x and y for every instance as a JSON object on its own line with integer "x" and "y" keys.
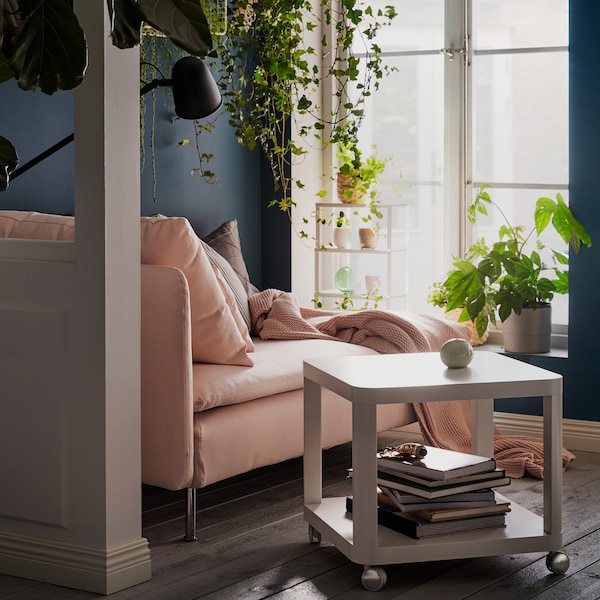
{"x": 195, "y": 91}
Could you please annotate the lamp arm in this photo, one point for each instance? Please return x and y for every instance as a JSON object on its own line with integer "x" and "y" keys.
{"x": 43, "y": 156}
{"x": 147, "y": 87}
{"x": 151, "y": 85}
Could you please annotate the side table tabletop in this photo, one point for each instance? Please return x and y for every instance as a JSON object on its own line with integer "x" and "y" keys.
{"x": 367, "y": 381}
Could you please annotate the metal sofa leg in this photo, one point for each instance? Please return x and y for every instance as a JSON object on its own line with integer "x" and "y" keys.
{"x": 190, "y": 516}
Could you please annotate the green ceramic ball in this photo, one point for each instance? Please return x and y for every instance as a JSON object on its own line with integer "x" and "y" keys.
{"x": 456, "y": 353}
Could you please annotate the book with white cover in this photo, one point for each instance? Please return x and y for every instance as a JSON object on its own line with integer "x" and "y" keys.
{"x": 433, "y": 483}
{"x": 438, "y": 463}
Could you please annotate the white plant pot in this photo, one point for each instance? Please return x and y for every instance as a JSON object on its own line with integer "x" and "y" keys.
{"x": 530, "y": 332}
{"x": 341, "y": 237}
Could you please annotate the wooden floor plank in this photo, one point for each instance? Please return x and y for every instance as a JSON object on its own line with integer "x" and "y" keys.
{"x": 254, "y": 545}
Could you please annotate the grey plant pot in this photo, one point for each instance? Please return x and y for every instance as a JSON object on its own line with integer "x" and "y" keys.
{"x": 530, "y": 332}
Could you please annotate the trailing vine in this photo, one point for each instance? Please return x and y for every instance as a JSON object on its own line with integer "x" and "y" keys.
{"x": 158, "y": 53}
{"x": 269, "y": 77}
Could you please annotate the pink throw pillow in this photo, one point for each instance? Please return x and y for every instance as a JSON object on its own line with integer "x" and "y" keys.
{"x": 216, "y": 337}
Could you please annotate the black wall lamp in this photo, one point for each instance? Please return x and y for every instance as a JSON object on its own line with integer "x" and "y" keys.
{"x": 195, "y": 94}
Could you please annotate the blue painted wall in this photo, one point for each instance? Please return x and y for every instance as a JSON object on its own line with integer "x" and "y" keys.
{"x": 580, "y": 370}
{"x": 35, "y": 121}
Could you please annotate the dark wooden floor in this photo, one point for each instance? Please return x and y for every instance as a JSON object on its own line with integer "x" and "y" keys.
{"x": 253, "y": 544}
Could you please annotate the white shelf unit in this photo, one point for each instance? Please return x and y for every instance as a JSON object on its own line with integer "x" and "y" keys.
{"x": 368, "y": 381}
{"x": 388, "y": 261}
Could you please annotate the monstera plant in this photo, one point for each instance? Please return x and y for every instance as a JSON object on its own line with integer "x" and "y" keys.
{"x": 43, "y": 46}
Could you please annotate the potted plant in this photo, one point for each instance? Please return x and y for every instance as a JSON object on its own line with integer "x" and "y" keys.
{"x": 270, "y": 84}
{"x": 341, "y": 231}
{"x": 357, "y": 176}
{"x": 511, "y": 278}
{"x": 43, "y": 46}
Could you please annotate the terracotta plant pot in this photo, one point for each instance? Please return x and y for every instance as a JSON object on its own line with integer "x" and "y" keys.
{"x": 346, "y": 191}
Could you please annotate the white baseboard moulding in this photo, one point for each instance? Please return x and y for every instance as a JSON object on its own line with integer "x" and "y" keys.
{"x": 103, "y": 571}
{"x": 577, "y": 435}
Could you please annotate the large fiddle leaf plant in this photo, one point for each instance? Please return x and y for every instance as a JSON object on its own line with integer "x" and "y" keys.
{"x": 43, "y": 46}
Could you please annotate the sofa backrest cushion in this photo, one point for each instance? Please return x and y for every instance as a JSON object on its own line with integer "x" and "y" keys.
{"x": 36, "y": 226}
{"x": 225, "y": 239}
{"x": 235, "y": 285}
{"x": 219, "y": 335}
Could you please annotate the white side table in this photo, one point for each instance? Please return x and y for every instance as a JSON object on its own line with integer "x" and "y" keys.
{"x": 367, "y": 381}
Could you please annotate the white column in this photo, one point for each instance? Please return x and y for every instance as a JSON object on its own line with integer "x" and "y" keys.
{"x": 70, "y": 509}
{"x": 107, "y": 201}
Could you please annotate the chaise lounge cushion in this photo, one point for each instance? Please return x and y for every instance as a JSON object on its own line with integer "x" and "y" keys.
{"x": 277, "y": 368}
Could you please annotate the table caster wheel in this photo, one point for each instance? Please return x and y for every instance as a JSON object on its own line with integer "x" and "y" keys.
{"x": 373, "y": 578}
{"x": 314, "y": 536}
{"x": 557, "y": 562}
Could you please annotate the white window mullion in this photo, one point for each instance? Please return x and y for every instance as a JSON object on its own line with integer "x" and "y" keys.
{"x": 454, "y": 128}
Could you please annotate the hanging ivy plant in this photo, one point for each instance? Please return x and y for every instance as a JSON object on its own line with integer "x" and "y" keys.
{"x": 268, "y": 77}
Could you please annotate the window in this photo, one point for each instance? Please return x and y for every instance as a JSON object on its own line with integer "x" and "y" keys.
{"x": 490, "y": 108}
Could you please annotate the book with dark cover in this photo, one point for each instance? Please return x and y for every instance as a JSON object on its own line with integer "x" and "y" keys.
{"x": 450, "y": 514}
{"x": 416, "y": 489}
{"x": 410, "y": 503}
{"x": 438, "y": 464}
{"x": 418, "y": 528}
{"x": 433, "y": 483}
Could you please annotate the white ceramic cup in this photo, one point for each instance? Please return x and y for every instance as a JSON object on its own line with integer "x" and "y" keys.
{"x": 372, "y": 283}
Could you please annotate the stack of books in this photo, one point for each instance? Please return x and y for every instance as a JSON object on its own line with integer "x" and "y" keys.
{"x": 443, "y": 492}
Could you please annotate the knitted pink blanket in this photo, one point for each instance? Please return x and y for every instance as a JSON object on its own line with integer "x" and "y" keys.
{"x": 277, "y": 315}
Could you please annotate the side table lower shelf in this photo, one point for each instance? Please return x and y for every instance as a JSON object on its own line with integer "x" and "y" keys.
{"x": 524, "y": 532}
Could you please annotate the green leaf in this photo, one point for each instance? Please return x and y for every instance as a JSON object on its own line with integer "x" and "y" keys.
{"x": 544, "y": 209}
{"x": 126, "y": 22}
{"x": 49, "y": 51}
{"x": 8, "y": 162}
{"x": 561, "y": 283}
{"x": 566, "y": 225}
{"x": 182, "y": 21}
{"x": 560, "y": 257}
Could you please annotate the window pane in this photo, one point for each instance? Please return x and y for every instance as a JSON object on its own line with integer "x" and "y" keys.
{"x": 521, "y": 118}
{"x": 404, "y": 119}
{"x": 520, "y": 23}
{"x": 419, "y": 25}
